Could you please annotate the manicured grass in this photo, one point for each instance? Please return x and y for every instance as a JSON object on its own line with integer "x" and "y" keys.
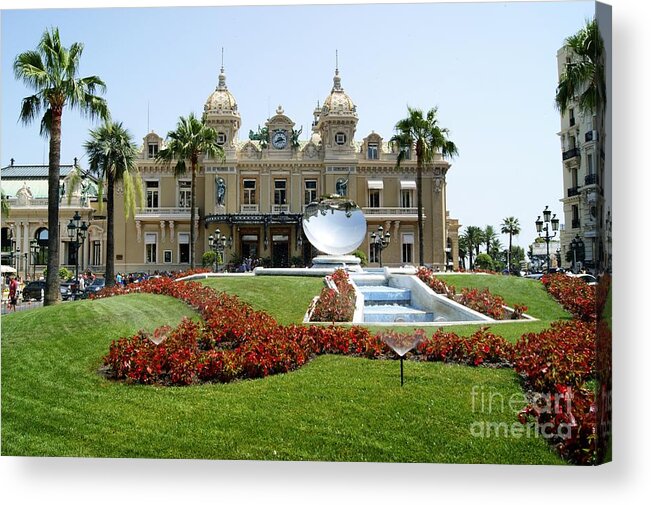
{"x": 514, "y": 290}
{"x": 285, "y": 298}
{"x": 54, "y": 403}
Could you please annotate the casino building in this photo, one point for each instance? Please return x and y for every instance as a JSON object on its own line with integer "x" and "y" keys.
{"x": 257, "y": 195}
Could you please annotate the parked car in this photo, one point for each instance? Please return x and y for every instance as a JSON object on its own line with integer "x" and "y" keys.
{"x": 33, "y": 290}
{"x": 67, "y": 289}
{"x": 590, "y": 280}
{"x": 95, "y": 286}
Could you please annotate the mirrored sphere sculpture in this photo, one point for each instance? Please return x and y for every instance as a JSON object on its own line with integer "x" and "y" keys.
{"x": 334, "y": 225}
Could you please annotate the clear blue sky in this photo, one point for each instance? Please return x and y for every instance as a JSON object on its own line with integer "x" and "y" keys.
{"x": 490, "y": 68}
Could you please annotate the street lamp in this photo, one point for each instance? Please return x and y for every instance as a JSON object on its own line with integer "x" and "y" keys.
{"x": 381, "y": 241}
{"x": 576, "y": 245}
{"x": 543, "y": 225}
{"x": 217, "y": 244}
{"x": 33, "y": 247}
{"x": 77, "y": 235}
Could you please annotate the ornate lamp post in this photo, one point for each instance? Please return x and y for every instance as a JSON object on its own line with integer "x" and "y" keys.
{"x": 77, "y": 235}
{"x": 381, "y": 241}
{"x": 33, "y": 247}
{"x": 218, "y": 243}
{"x": 576, "y": 245}
{"x": 544, "y": 226}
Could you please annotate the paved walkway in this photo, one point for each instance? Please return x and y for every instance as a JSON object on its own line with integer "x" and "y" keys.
{"x": 21, "y": 306}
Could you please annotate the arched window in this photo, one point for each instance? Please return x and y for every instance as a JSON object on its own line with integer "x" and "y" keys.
{"x": 41, "y": 235}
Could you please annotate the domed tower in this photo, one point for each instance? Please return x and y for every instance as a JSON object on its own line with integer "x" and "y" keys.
{"x": 336, "y": 121}
{"x": 220, "y": 112}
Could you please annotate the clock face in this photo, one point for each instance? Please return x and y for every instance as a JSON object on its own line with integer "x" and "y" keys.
{"x": 279, "y": 139}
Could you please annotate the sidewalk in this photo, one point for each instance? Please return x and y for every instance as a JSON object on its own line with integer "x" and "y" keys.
{"x": 21, "y": 306}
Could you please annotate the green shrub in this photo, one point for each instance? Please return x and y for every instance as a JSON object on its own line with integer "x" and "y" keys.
{"x": 485, "y": 262}
{"x": 362, "y": 256}
{"x": 208, "y": 258}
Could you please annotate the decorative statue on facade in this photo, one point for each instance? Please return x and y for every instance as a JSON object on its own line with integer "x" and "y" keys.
{"x": 262, "y": 136}
{"x": 295, "y": 136}
{"x": 341, "y": 187}
{"x": 220, "y": 191}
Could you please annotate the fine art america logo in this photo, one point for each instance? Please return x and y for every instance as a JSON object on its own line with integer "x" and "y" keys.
{"x": 490, "y": 404}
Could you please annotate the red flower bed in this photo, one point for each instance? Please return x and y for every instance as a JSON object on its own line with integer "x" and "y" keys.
{"x": 482, "y": 301}
{"x": 335, "y": 305}
{"x": 566, "y": 417}
{"x": 573, "y": 294}
{"x": 563, "y": 354}
{"x": 482, "y": 347}
{"x": 234, "y": 341}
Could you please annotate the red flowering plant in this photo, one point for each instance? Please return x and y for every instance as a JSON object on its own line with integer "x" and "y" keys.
{"x": 435, "y": 284}
{"x": 481, "y": 348}
{"x": 338, "y": 304}
{"x": 483, "y": 301}
{"x": 573, "y": 294}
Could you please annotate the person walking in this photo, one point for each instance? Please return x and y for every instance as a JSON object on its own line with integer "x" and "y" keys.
{"x": 13, "y": 294}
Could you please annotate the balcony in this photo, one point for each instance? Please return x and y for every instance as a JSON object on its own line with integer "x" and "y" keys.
{"x": 404, "y": 213}
{"x": 165, "y": 213}
{"x": 573, "y": 191}
{"x": 591, "y": 179}
{"x": 576, "y": 223}
{"x": 591, "y": 135}
{"x": 571, "y": 153}
{"x": 249, "y": 208}
{"x": 277, "y": 208}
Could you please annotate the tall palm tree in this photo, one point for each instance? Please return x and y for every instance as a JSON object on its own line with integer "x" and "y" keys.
{"x": 191, "y": 139}
{"x": 583, "y": 83}
{"x": 112, "y": 158}
{"x": 51, "y": 71}
{"x": 584, "y": 79}
{"x": 489, "y": 234}
{"x": 473, "y": 239}
{"x": 510, "y": 225}
{"x": 423, "y": 131}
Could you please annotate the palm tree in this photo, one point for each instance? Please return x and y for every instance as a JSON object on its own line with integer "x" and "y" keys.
{"x": 430, "y": 139}
{"x": 489, "y": 235}
{"x": 463, "y": 247}
{"x": 473, "y": 239}
{"x": 51, "y": 71}
{"x": 495, "y": 248}
{"x": 510, "y": 225}
{"x": 584, "y": 79}
{"x": 191, "y": 139}
{"x": 112, "y": 158}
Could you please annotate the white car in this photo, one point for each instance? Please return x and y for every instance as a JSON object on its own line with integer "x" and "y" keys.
{"x": 589, "y": 279}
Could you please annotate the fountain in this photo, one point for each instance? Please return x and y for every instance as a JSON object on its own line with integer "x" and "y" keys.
{"x": 336, "y": 226}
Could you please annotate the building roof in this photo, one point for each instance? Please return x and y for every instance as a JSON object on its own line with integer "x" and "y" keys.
{"x": 32, "y": 171}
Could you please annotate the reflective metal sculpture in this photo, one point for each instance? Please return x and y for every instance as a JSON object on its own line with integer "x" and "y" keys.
{"x": 334, "y": 225}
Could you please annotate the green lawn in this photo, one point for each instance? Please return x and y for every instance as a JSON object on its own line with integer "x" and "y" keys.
{"x": 285, "y": 298}
{"x": 54, "y": 403}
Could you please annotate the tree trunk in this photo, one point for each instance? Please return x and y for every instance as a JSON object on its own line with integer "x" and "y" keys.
{"x": 508, "y": 261}
{"x": 192, "y": 198}
{"x": 419, "y": 202}
{"x": 52, "y": 294}
{"x": 109, "y": 276}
